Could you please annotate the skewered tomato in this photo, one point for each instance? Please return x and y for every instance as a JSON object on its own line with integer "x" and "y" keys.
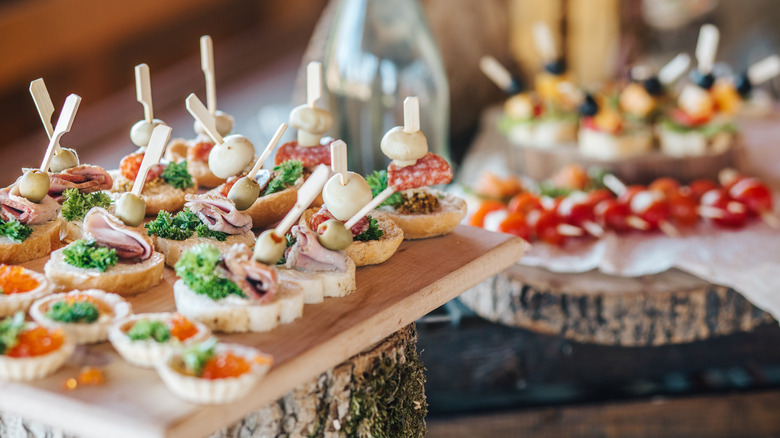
{"x": 598, "y": 195}
{"x": 667, "y": 186}
{"x": 650, "y": 206}
{"x": 700, "y": 187}
{"x": 725, "y": 211}
{"x": 524, "y": 203}
{"x": 478, "y": 218}
{"x": 131, "y": 164}
{"x": 683, "y": 209}
{"x": 756, "y": 196}
{"x": 613, "y": 215}
{"x": 516, "y": 224}
{"x": 547, "y": 228}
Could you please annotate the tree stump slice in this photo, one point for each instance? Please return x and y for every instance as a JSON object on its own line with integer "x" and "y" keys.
{"x": 668, "y": 308}
{"x": 378, "y": 393}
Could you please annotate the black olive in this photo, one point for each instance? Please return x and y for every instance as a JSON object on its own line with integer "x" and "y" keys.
{"x": 702, "y": 80}
{"x": 653, "y": 86}
{"x": 557, "y": 67}
{"x": 588, "y": 107}
{"x": 515, "y": 87}
{"x": 744, "y": 87}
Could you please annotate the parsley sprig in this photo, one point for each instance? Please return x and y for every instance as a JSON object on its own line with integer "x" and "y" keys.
{"x": 197, "y": 267}
{"x": 145, "y": 329}
{"x": 10, "y": 329}
{"x": 195, "y": 357}
{"x": 76, "y": 311}
{"x": 378, "y": 182}
{"x": 77, "y": 204}
{"x": 372, "y": 233}
{"x": 15, "y": 230}
{"x": 176, "y": 174}
{"x": 286, "y": 175}
{"x": 181, "y": 226}
{"x": 88, "y": 254}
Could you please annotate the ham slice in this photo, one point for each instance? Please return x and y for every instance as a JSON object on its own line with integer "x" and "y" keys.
{"x": 324, "y": 215}
{"x": 257, "y": 281}
{"x": 85, "y": 178}
{"x": 130, "y": 243}
{"x": 308, "y": 255}
{"x": 219, "y": 213}
{"x": 16, "y": 207}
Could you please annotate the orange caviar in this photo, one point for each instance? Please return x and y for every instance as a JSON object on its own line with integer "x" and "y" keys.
{"x": 36, "y": 342}
{"x": 224, "y": 366}
{"x": 15, "y": 279}
{"x": 182, "y": 328}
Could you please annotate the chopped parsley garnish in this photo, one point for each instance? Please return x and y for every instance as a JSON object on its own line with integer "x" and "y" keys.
{"x": 547, "y": 188}
{"x": 10, "y": 328}
{"x": 75, "y": 311}
{"x": 286, "y": 175}
{"x": 378, "y": 182}
{"x": 181, "y": 226}
{"x": 77, "y": 204}
{"x": 15, "y": 230}
{"x": 195, "y": 357}
{"x": 145, "y": 329}
{"x": 197, "y": 267}
{"x": 88, "y": 254}
{"x": 176, "y": 174}
{"x": 372, "y": 233}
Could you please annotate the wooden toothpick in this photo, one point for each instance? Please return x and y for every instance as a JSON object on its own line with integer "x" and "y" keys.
{"x": 764, "y": 70}
{"x": 152, "y": 156}
{"x": 43, "y": 103}
{"x": 313, "y": 83}
{"x": 202, "y": 115}
{"x": 143, "y": 90}
{"x": 207, "y": 65}
{"x": 544, "y": 41}
{"x": 674, "y": 69}
{"x": 267, "y": 152}
{"x": 374, "y": 203}
{"x": 496, "y": 72}
{"x": 411, "y": 114}
{"x": 306, "y": 194}
{"x": 707, "y": 47}
{"x": 64, "y": 122}
{"x": 338, "y": 160}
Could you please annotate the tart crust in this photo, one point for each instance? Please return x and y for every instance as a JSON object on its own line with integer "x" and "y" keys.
{"x": 12, "y": 303}
{"x": 25, "y": 369}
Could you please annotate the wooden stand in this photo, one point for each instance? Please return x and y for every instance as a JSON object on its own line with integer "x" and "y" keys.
{"x": 668, "y": 308}
{"x": 377, "y": 391}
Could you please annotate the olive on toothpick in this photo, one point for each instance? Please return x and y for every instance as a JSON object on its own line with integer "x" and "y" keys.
{"x": 63, "y": 158}
{"x": 332, "y": 234}
{"x": 34, "y": 185}
{"x": 246, "y": 190}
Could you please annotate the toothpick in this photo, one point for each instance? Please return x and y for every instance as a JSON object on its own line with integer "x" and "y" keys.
{"x": 152, "y": 156}
{"x": 143, "y": 90}
{"x": 411, "y": 114}
{"x": 313, "y": 83}
{"x": 707, "y": 47}
{"x": 64, "y": 122}
{"x": 669, "y": 229}
{"x": 614, "y": 184}
{"x": 386, "y": 193}
{"x": 544, "y": 41}
{"x": 770, "y": 220}
{"x": 207, "y": 65}
{"x": 267, "y": 152}
{"x": 306, "y": 194}
{"x": 593, "y": 228}
{"x": 496, "y": 72}
{"x": 43, "y": 103}
{"x": 202, "y": 115}
{"x": 764, "y": 70}
{"x": 338, "y": 160}
{"x": 569, "y": 230}
{"x": 674, "y": 69}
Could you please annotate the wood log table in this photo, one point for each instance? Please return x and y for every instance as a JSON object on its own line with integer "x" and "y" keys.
{"x": 668, "y": 308}
{"x": 133, "y": 402}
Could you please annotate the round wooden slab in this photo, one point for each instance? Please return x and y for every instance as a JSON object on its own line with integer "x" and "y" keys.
{"x": 668, "y": 308}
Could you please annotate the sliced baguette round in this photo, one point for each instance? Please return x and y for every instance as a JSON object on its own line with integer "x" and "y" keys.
{"x": 451, "y": 212}
{"x": 12, "y": 303}
{"x": 235, "y": 314}
{"x": 318, "y": 285}
{"x": 177, "y": 151}
{"x": 371, "y": 252}
{"x": 270, "y": 209}
{"x": 122, "y": 278}
{"x": 44, "y": 239}
{"x": 160, "y": 197}
{"x": 173, "y": 249}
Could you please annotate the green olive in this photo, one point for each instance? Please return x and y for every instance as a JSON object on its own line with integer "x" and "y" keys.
{"x": 131, "y": 209}
{"x": 63, "y": 160}
{"x": 332, "y": 234}
{"x": 34, "y": 185}
{"x": 269, "y": 247}
{"x": 141, "y": 132}
{"x": 244, "y": 193}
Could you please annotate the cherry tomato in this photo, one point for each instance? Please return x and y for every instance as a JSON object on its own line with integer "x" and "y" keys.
{"x": 576, "y": 209}
{"x": 478, "y": 218}
{"x": 516, "y": 224}
{"x": 131, "y": 164}
{"x": 700, "y": 187}
{"x": 613, "y": 214}
{"x": 756, "y": 196}
{"x": 547, "y": 228}
{"x": 667, "y": 186}
{"x": 200, "y": 152}
{"x": 650, "y": 206}
{"x": 731, "y": 214}
{"x": 598, "y": 195}
{"x": 572, "y": 176}
{"x": 683, "y": 209}
{"x": 628, "y": 195}
{"x": 525, "y": 202}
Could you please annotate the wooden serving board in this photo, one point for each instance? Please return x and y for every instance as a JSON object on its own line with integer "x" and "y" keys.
{"x": 134, "y": 402}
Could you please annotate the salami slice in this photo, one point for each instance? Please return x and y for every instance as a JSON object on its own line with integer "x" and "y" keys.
{"x": 310, "y": 156}
{"x": 324, "y": 215}
{"x": 428, "y": 171}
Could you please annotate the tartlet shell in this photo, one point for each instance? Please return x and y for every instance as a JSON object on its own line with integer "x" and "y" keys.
{"x": 25, "y": 369}
{"x": 10, "y": 304}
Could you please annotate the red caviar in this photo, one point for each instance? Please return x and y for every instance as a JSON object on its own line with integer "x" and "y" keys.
{"x": 182, "y": 328}
{"x": 15, "y": 279}
{"x": 224, "y": 366}
{"x": 36, "y": 342}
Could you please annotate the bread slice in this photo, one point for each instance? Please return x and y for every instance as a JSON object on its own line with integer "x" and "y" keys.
{"x": 158, "y": 197}
{"x": 606, "y": 146}
{"x": 71, "y": 231}
{"x": 173, "y": 249}
{"x": 177, "y": 151}
{"x": 122, "y": 278}
{"x": 235, "y": 314}
{"x": 317, "y": 285}
{"x": 371, "y": 252}
{"x": 44, "y": 239}
{"x": 451, "y": 212}
{"x": 269, "y": 209}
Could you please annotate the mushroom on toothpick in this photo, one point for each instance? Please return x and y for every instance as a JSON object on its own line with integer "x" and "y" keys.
{"x": 131, "y": 207}
{"x": 230, "y": 155}
{"x": 246, "y": 190}
{"x": 63, "y": 158}
{"x": 142, "y": 130}
{"x": 224, "y": 122}
{"x": 311, "y": 121}
{"x": 270, "y": 245}
{"x": 34, "y": 184}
